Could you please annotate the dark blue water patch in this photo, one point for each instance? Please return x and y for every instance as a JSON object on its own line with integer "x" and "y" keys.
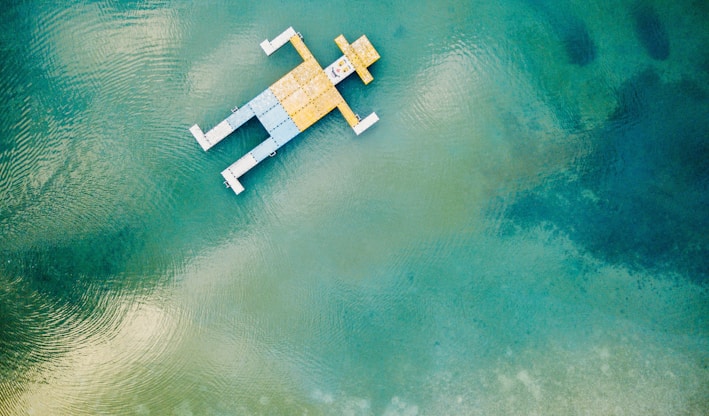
{"x": 651, "y": 31}
{"x": 400, "y": 32}
{"x": 51, "y": 288}
{"x": 633, "y": 99}
{"x": 23, "y": 336}
{"x": 639, "y": 199}
{"x": 64, "y": 270}
{"x": 19, "y": 341}
{"x": 571, "y": 31}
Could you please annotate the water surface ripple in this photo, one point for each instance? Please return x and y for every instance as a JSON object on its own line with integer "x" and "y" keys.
{"x": 522, "y": 232}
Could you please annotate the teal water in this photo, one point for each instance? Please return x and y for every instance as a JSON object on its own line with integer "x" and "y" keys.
{"x": 523, "y": 232}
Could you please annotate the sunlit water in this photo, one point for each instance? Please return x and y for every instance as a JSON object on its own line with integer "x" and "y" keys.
{"x": 523, "y": 232}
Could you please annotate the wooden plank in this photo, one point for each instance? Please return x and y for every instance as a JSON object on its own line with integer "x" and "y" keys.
{"x": 347, "y": 112}
{"x": 300, "y": 47}
{"x": 354, "y": 59}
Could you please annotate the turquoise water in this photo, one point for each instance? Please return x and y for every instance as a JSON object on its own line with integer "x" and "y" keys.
{"x": 523, "y": 232}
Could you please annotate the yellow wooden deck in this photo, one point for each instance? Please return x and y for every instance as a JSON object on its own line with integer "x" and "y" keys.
{"x": 361, "y": 53}
{"x": 300, "y": 47}
{"x": 307, "y": 94}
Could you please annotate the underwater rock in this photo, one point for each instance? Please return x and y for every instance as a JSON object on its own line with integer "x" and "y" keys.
{"x": 572, "y": 32}
{"x": 578, "y": 44}
{"x": 651, "y": 32}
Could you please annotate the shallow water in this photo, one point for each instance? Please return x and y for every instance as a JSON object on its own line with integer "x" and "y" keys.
{"x": 523, "y": 232}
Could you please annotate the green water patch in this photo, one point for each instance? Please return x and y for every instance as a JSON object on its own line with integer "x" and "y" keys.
{"x": 356, "y": 274}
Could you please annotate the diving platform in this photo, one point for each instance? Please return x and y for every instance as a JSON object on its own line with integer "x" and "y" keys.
{"x": 295, "y": 102}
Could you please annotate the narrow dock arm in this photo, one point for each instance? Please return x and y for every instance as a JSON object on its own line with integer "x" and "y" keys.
{"x": 278, "y": 41}
{"x": 365, "y": 123}
{"x": 354, "y": 121}
{"x": 201, "y": 138}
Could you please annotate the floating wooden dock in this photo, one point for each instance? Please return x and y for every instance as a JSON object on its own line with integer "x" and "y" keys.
{"x": 295, "y": 102}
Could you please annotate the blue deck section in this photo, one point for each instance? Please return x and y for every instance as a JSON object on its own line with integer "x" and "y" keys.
{"x": 263, "y": 102}
{"x": 284, "y": 132}
{"x": 265, "y": 149}
{"x": 273, "y": 117}
{"x": 240, "y": 117}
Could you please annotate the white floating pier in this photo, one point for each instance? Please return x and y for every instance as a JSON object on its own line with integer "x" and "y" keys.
{"x": 295, "y": 102}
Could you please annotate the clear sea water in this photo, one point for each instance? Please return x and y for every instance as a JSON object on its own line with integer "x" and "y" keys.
{"x": 525, "y": 231}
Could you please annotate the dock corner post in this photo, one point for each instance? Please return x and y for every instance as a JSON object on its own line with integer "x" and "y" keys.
{"x": 231, "y": 181}
{"x": 365, "y": 123}
{"x": 271, "y": 46}
{"x": 200, "y": 137}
